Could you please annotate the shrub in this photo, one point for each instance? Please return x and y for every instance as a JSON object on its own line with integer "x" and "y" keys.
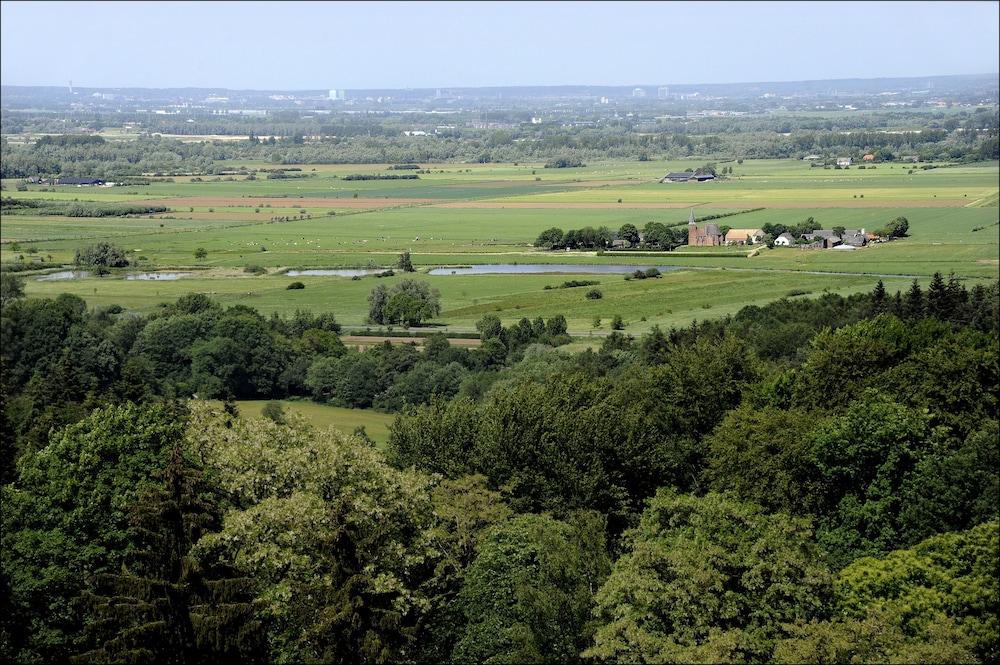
{"x": 102, "y": 254}
{"x": 295, "y": 285}
{"x": 274, "y": 411}
{"x": 594, "y": 294}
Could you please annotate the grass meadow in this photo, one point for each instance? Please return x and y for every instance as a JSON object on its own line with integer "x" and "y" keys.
{"x": 464, "y": 214}
{"x": 376, "y": 424}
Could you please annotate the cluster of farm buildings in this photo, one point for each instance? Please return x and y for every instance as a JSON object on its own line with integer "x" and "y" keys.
{"x": 711, "y": 235}
{"x": 79, "y": 182}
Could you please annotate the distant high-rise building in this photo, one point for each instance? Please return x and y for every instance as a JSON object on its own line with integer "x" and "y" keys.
{"x": 338, "y": 95}
{"x": 663, "y": 92}
{"x": 638, "y": 92}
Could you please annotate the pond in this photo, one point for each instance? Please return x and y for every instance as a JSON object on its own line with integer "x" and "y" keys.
{"x": 157, "y": 276}
{"x": 544, "y": 268}
{"x": 331, "y": 273}
{"x": 64, "y": 275}
{"x": 132, "y": 276}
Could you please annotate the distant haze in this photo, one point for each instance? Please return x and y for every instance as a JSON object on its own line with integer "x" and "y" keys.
{"x": 291, "y": 45}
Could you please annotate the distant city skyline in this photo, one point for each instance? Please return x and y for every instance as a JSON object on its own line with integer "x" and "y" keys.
{"x": 361, "y": 45}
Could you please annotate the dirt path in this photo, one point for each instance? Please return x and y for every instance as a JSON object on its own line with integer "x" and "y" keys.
{"x": 727, "y": 205}
{"x": 281, "y": 202}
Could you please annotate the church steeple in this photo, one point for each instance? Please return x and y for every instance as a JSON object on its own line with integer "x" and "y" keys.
{"x": 691, "y": 218}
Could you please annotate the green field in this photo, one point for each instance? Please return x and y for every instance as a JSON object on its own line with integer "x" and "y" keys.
{"x": 376, "y": 424}
{"x": 464, "y": 214}
{"x": 675, "y": 299}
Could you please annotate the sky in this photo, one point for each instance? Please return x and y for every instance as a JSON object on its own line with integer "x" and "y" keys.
{"x": 323, "y": 45}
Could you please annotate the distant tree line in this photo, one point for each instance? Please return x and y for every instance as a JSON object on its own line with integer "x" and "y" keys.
{"x": 963, "y": 137}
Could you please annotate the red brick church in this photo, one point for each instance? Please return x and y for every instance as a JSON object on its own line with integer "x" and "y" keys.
{"x": 710, "y": 236}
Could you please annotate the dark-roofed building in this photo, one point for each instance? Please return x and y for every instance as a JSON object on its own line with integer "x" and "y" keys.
{"x": 80, "y": 182}
{"x": 854, "y": 237}
{"x": 681, "y": 176}
{"x": 828, "y": 239}
{"x": 703, "y": 177}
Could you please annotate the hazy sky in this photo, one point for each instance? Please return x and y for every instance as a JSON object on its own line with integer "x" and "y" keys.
{"x": 313, "y": 45}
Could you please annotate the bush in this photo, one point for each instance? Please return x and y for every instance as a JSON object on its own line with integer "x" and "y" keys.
{"x": 103, "y": 254}
{"x": 200, "y": 253}
{"x": 563, "y": 163}
{"x": 295, "y": 285}
{"x": 572, "y": 284}
{"x": 594, "y": 294}
{"x": 255, "y": 270}
{"x": 617, "y": 323}
{"x": 274, "y": 411}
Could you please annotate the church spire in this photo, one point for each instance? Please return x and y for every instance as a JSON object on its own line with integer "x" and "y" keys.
{"x": 691, "y": 218}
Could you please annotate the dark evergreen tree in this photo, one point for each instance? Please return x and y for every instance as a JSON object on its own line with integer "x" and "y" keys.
{"x": 958, "y": 299}
{"x": 163, "y": 607}
{"x": 879, "y": 304}
{"x": 938, "y": 302}
{"x": 913, "y": 307}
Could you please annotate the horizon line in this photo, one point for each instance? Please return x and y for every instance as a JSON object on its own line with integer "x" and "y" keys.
{"x": 508, "y": 85}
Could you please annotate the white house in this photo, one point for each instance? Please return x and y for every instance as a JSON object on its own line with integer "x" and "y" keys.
{"x": 843, "y": 161}
{"x": 784, "y": 240}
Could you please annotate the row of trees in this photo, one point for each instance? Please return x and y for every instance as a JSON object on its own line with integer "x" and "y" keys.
{"x": 380, "y": 141}
{"x": 654, "y": 235}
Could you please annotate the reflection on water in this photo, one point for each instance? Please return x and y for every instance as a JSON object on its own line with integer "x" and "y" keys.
{"x": 63, "y": 275}
{"x": 330, "y": 273}
{"x": 141, "y": 276}
{"x": 157, "y": 276}
{"x": 542, "y": 268}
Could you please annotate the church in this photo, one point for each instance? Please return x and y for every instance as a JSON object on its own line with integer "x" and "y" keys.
{"x": 710, "y": 236}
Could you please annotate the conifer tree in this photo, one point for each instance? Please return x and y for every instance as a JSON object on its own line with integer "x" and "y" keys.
{"x": 913, "y": 307}
{"x": 879, "y": 304}
{"x": 162, "y": 607}
{"x": 938, "y": 304}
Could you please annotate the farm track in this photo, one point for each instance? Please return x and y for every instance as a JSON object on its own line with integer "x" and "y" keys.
{"x": 285, "y": 202}
{"x": 735, "y": 205}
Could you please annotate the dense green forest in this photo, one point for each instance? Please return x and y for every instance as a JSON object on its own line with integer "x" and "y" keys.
{"x": 966, "y": 136}
{"x": 815, "y": 480}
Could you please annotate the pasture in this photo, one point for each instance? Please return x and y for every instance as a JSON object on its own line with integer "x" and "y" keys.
{"x": 322, "y": 416}
{"x": 467, "y": 214}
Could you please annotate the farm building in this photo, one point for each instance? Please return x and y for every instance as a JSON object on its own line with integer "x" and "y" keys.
{"x": 828, "y": 239}
{"x": 869, "y": 158}
{"x": 710, "y": 236}
{"x": 682, "y": 176}
{"x": 687, "y": 176}
{"x": 80, "y": 182}
{"x": 854, "y": 237}
{"x": 784, "y": 240}
{"x": 744, "y": 236}
{"x": 843, "y": 161}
